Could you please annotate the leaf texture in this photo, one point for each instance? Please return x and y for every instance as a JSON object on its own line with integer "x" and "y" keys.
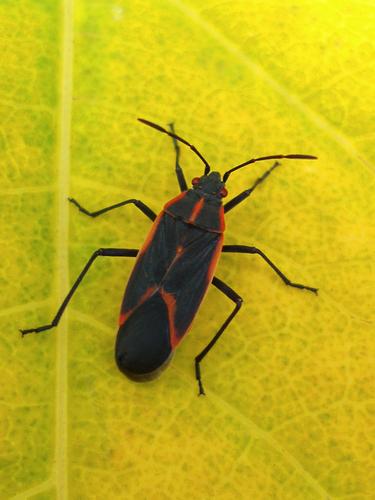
{"x": 289, "y": 412}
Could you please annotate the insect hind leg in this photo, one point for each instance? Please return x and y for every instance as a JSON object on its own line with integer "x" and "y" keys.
{"x": 232, "y": 295}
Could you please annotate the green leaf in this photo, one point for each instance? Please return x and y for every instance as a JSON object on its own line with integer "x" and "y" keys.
{"x": 289, "y": 409}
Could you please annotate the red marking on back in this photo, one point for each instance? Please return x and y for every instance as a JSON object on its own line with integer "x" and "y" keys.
{"x": 125, "y": 315}
{"x": 197, "y": 208}
{"x": 214, "y": 259}
{"x": 150, "y": 236}
{"x": 174, "y": 200}
{"x": 170, "y": 302}
{"x": 221, "y": 219}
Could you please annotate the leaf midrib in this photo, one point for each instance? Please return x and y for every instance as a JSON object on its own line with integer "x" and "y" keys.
{"x": 62, "y": 245}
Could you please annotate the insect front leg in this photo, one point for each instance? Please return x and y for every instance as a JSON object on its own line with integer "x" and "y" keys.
{"x": 138, "y": 203}
{"x": 254, "y": 250}
{"x": 102, "y": 252}
{"x": 232, "y": 295}
{"x": 179, "y": 172}
{"x": 245, "y": 194}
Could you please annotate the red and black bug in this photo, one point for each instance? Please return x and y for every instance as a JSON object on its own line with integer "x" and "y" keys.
{"x": 174, "y": 268}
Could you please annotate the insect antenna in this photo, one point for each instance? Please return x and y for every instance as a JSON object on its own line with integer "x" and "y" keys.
{"x": 273, "y": 157}
{"x": 171, "y": 134}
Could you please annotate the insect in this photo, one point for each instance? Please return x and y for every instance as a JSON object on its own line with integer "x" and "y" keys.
{"x": 174, "y": 267}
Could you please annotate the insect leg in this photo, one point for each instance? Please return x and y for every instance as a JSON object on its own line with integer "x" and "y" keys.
{"x": 179, "y": 173}
{"x": 102, "y": 252}
{"x": 245, "y": 194}
{"x": 232, "y": 295}
{"x": 139, "y": 204}
{"x": 254, "y": 250}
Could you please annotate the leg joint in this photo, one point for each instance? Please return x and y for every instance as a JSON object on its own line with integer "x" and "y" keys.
{"x": 98, "y": 252}
{"x": 239, "y": 302}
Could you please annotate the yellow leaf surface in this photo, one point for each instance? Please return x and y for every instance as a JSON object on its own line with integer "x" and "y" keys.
{"x": 289, "y": 411}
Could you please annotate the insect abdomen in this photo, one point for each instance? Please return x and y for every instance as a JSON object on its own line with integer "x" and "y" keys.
{"x": 143, "y": 342}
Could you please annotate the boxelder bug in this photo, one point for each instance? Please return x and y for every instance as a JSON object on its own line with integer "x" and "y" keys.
{"x": 174, "y": 268}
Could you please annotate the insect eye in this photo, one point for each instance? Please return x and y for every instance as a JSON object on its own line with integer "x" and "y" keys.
{"x": 195, "y": 181}
{"x": 223, "y": 192}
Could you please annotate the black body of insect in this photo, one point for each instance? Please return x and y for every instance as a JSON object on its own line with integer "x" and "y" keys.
{"x": 174, "y": 268}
